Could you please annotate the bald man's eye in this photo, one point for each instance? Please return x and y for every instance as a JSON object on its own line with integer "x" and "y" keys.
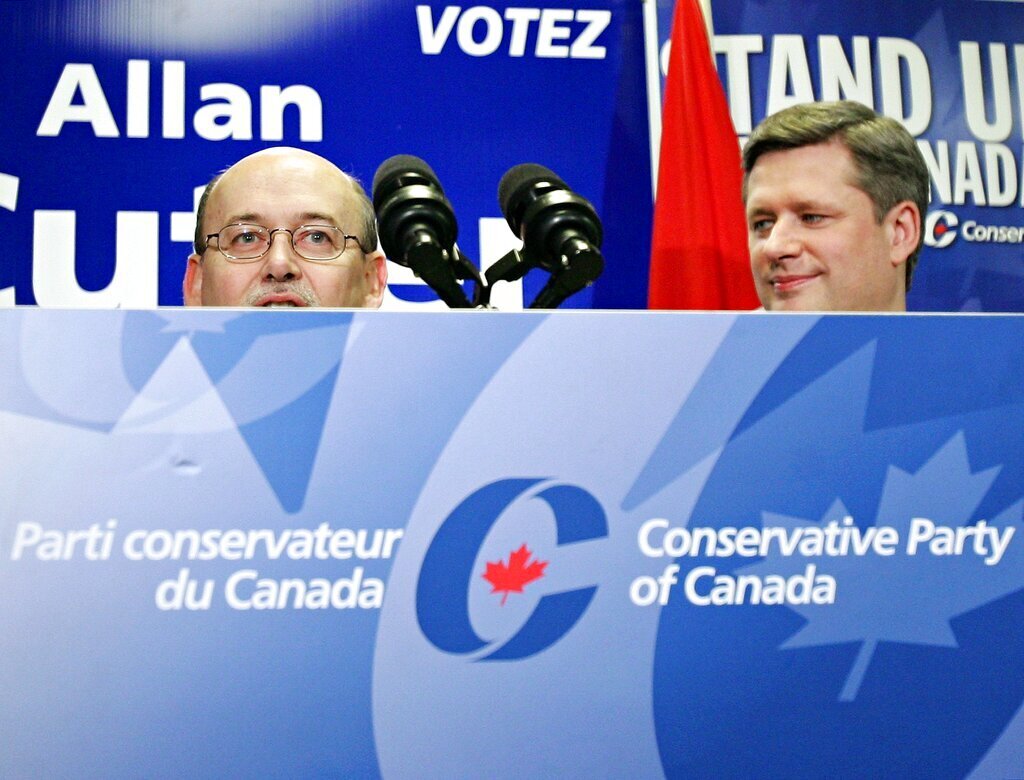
{"x": 319, "y": 242}
{"x": 321, "y": 236}
{"x": 241, "y": 237}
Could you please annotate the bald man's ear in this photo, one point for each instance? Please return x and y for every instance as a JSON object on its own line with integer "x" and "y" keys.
{"x": 192, "y": 287}
{"x": 375, "y": 279}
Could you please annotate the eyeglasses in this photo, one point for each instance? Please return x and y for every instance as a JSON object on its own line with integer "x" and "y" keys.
{"x": 244, "y": 243}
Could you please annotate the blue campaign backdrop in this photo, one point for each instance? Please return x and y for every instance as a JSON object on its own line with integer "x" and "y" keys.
{"x": 114, "y": 112}
{"x": 242, "y": 543}
{"x": 950, "y": 71}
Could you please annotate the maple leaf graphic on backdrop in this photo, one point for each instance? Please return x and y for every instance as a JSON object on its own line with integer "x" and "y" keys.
{"x": 906, "y": 599}
{"x": 511, "y": 578}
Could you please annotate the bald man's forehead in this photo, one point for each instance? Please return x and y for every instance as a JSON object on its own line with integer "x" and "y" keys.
{"x": 287, "y": 189}
{"x": 281, "y": 163}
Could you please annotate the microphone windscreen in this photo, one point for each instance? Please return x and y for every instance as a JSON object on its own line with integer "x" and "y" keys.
{"x": 398, "y": 171}
{"x": 519, "y": 180}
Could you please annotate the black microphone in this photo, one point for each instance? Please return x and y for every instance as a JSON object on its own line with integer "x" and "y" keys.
{"x": 417, "y": 225}
{"x": 560, "y": 230}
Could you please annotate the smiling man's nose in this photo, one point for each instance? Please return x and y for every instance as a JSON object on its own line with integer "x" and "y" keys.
{"x": 783, "y": 241}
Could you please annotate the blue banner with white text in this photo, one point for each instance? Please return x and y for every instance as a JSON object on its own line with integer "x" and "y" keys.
{"x": 117, "y": 113}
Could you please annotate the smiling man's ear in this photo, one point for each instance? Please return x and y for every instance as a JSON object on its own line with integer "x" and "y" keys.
{"x": 905, "y": 230}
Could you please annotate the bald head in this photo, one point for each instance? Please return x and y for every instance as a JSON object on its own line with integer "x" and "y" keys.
{"x": 285, "y": 188}
{"x": 368, "y": 236}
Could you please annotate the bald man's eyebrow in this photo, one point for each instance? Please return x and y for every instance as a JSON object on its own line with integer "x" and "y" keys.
{"x": 246, "y": 217}
{"x": 305, "y": 218}
{"x": 316, "y": 215}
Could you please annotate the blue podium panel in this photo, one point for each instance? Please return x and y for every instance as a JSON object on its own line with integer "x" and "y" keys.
{"x": 578, "y": 544}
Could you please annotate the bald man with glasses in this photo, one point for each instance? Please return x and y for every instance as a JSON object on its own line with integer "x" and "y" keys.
{"x": 282, "y": 228}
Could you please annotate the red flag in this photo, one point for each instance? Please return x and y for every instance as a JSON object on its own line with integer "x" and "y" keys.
{"x": 699, "y": 256}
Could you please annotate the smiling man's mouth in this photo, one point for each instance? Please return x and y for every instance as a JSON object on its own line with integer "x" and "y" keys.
{"x": 783, "y": 284}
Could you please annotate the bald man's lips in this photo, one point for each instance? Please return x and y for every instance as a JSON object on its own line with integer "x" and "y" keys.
{"x": 792, "y": 283}
{"x": 281, "y": 295}
{"x": 280, "y": 300}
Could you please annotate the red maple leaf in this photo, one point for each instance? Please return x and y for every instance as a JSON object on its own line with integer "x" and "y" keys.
{"x": 511, "y": 578}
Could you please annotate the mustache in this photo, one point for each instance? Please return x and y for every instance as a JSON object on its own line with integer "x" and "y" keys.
{"x": 300, "y": 291}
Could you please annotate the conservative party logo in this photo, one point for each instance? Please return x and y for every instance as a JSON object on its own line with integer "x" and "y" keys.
{"x": 940, "y": 229}
{"x": 450, "y": 570}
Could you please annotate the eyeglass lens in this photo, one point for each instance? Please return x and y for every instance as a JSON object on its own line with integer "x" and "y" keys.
{"x": 250, "y": 242}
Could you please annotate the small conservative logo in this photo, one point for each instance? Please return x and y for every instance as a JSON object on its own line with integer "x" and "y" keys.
{"x": 940, "y": 229}
{"x": 449, "y": 569}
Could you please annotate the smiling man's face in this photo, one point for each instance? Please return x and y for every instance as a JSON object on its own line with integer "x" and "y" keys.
{"x": 815, "y": 243}
{"x": 285, "y": 188}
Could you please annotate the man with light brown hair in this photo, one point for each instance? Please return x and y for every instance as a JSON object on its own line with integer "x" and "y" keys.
{"x": 835, "y": 199}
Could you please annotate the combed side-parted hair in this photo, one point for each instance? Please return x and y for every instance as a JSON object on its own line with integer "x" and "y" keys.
{"x": 890, "y": 166}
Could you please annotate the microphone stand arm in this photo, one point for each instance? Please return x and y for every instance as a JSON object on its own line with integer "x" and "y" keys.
{"x": 580, "y": 265}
